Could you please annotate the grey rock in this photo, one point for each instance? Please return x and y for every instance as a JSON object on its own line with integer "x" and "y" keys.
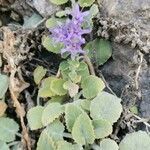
{"x": 44, "y": 7}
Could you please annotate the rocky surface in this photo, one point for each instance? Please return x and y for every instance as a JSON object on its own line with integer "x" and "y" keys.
{"x": 128, "y": 72}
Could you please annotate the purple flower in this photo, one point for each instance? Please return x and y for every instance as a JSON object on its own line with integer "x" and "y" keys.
{"x": 70, "y": 33}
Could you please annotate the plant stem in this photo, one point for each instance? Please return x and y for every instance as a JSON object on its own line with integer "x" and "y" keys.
{"x": 89, "y": 63}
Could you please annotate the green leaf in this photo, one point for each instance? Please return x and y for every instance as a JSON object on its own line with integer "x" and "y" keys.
{"x": 136, "y": 141}
{"x": 8, "y": 129}
{"x": 3, "y": 146}
{"x": 100, "y": 107}
{"x": 134, "y": 110}
{"x": 45, "y": 142}
{"x": 99, "y": 50}
{"x": 91, "y": 86}
{"x": 108, "y": 144}
{"x": 34, "y": 117}
{"x": 83, "y": 70}
{"x": 102, "y": 128}
{"x": 71, "y": 114}
{"x": 45, "y": 89}
{"x": 57, "y": 87}
{"x": 63, "y": 145}
{"x": 93, "y": 10}
{"x": 85, "y": 104}
{"x": 53, "y": 22}
{"x": 55, "y": 130}
{"x": 51, "y": 46}
{"x": 32, "y": 21}
{"x": 59, "y": 2}
{"x": 63, "y": 13}
{"x": 85, "y": 3}
{"x": 58, "y": 99}
{"x": 51, "y": 112}
{"x": 38, "y": 74}
{"x": 82, "y": 131}
{"x": 4, "y": 83}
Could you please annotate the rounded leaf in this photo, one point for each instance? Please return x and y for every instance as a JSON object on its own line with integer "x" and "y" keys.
{"x": 38, "y": 74}
{"x": 82, "y": 131}
{"x": 91, "y": 86}
{"x": 136, "y": 141}
{"x": 57, "y": 87}
{"x": 51, "y": 112}
{"x": 34, "y": 117}
{"x": 85, "y": 3}
{"x": 106, "y": 106}
{"x": 45, "y": 142}
{"x": 4, "y": 146}
{"x": 59, "y": 2}
{"x": 8, "y": 129}
{"x": 108, "y": 144}
{"x": 102, "y": 128}
{"x": 71, "y": 114}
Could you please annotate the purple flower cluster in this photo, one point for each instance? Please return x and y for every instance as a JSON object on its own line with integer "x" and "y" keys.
{"x": 70, "y": 33}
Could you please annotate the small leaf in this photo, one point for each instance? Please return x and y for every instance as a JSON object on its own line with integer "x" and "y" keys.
{"x": 58, "y": 99}
{"x": 38, "y": 74}
{"x": 83, "y": 70}
{"x": 51, "y": 46}
{"x": 82, "y": 131}
{"x": 91, "y": 86}
{"x": 57, "y": 87}
{"x": 3, "y": 107}
{"x": 59, "y": 2}
{"x": 136, "y": 141}
{"x": 63, "y": 13}
{"x": 51, "y": 112}
{"x": 55, "y": 130}
{"x": 4, "y": 82}
{"x": 102, "y": 128}
{"x": 34, "y": 117}
{"x": 45, "y": 142}
{"x": 108, "y": 144}
{"x": 85, "y": 3}
{"x": 71, "y": 114}
{"x": 71, "y": 87}
{"x": 100, "y": 107}
{"x": 134, "y": 110}
{"x": 45, "y": 89}
{"x": 63, "y": 145}
{"x": 99, "y": 50}
{"x": 53, "y": 22}
{"x": 85, "y": 104}
{"x": 8, "y": 129}
{"x": 94, "y": 10}
{"x": 3, "y": 146}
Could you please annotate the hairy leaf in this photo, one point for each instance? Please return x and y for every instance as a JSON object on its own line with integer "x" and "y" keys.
{"x": 82, "y": 131}
{"x": 38, "y": 74}
{"x": 108, "y": 144}
{"x": 55, "y": 130}
{"x": 45, "y": 89}
{"x": 51, "y": 46}
{"x": 91, "y": 86}
{"x": 85, "y": 3}
{"x": 59, "y": 2}
{"x": 4, "y": 82}
{"x": 51, "y": 112}
{"x": 8, "y": 129}
{"x": 45, "y": 142}
{"x": 106, "y": 106}
{"x": 63, "y": 145}
{"x": 136, "y": 141}
{"x": 34, "y": 117}
{"x": 71, "y": 114}
{"x": 102, "y": 128}
{"x": 3, "y": 146}
{"x": 99, "y": 50}
{"x": 57, "y": 87}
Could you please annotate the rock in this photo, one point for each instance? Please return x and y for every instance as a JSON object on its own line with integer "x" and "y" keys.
{"x": 44, "y": 7}
{"x": 128, "y": 23}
